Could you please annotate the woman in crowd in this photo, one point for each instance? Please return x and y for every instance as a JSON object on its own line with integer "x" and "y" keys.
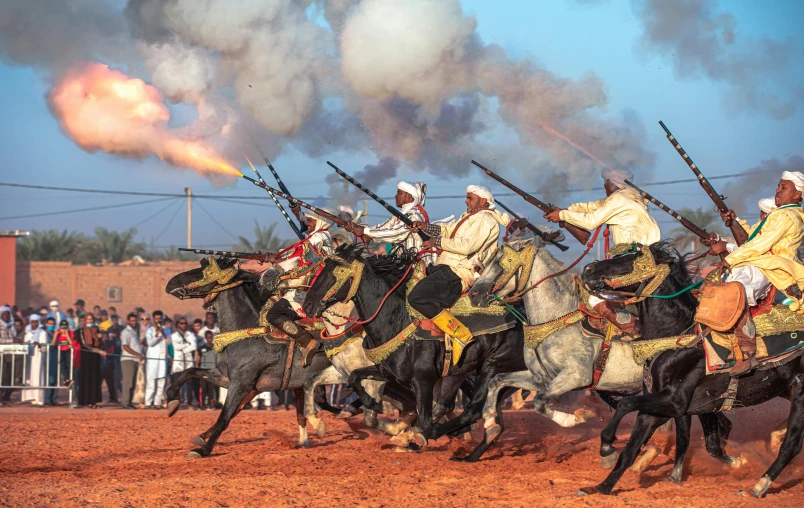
{"x": 88, "y": 337}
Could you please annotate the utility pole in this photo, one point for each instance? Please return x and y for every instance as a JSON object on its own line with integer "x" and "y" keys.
{"x": 189, "y": 192}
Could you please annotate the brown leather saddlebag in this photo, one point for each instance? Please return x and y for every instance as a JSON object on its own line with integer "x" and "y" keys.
{"x": 720, "y": 305}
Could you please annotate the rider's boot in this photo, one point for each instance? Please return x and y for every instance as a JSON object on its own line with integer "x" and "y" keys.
{"x": 301, "y": 336}
{"x": 746, "y": 334}
{"x": 616, "y": 314}
{"x": 461, "y": 336}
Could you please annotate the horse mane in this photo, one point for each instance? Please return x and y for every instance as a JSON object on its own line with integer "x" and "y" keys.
{"x": 675, "y": 315}
{"x": 563, "y": 282}
{"x": 389, "y": 267}
{"x": 664, "y": 252}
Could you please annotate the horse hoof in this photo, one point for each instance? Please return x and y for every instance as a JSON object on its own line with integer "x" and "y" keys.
{"x": 675, "y": 478}
{"x": 418, "y": 440}
{"x": 492, "y": 433}
{"x": 583, "y": 415}
{"x": 194, "y": 455}
{"x": 198, "y": 441}
{"x": 344, "y": 414}
{"x": 303, "y": 444}
{"x": 320, "y": 427}
{"x": 644, "y": 461}
{"x": 737, "y": 462}
{"x": 402, "y": 439}
{"x": 402, "y": 449}
{"x": 609, "y": 461}
{"x": 588, "y": 491}
{"x": 761, "y": 487}
{"x": 173, "y": 406}
{"x": 456, "y": 458}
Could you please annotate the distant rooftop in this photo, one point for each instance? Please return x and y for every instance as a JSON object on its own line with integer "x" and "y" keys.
{"x": 13, "y": 232}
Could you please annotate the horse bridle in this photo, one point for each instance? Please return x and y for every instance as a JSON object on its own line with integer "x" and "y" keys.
{"x": 511, "y": 261}
{"x": 342, "y": 273}
{"x": 646, "y": 273}
{"x": 212, "y": 273}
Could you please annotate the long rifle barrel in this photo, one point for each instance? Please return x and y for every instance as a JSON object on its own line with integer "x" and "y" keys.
{"x": 393, "y": 211}
{"x": 319, "y": 211}
{"x": 293, "y": 225}
{"x": 536, "y": 231}
{"x": 581, "y": 235}
{"x": 700, "y": 232}
{"x": 256, "y": 256}
{"x": 740, "y": 235}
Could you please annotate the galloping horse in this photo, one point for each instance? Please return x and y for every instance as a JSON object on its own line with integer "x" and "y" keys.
{"x": 245, "y": 367}
{"x": 402, "y": 356}
{"x": 677, "y": 384}
{"x": 559, "y": 357}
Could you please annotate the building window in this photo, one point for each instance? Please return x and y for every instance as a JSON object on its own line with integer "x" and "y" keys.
{"x": 114, "y": 294}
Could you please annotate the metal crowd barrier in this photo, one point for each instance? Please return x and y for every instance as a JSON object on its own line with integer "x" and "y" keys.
{"x": 50, "y": 364}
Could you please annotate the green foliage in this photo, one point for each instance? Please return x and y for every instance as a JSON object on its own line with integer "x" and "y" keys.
{"x": 50, "y": 245}
{"x": 264, "y": 240}
{"x": 704, "y": 218}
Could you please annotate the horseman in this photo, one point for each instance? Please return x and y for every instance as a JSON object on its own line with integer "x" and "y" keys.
{"x": 410, "y": 198}
{"x": 767, "y": 258}
{"x": 465, "y": 246}
{"x": 284, "y": 313}
{"x": 625, "y": 214}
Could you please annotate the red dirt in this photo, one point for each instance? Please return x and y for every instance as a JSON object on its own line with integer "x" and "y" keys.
{"x": 112, "y": 457}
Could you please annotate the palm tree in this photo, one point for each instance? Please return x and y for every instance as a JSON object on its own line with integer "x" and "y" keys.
{"x": 264, "y": 241}
{"x": 703, "y": 218}
{"x": 113, "y": 246}
{"x": 50, "y": 245}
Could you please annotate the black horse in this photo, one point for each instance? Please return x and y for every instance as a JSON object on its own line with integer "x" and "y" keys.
{"x": 417, "y": 364}
{"x": 678, "y": 385}
{"x": 249, "y": 366}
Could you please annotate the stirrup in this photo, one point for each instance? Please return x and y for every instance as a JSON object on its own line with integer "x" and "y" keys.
{"x": 743, "y": 366}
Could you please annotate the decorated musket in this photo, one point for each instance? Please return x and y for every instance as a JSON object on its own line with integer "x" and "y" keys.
{"x": 534, "y": 229}
{"x": 267, "y": 257}
{"x": 318, "y": 211}
{"x": 698, "y": 231}
{"x": 281, "y": 208}
{"x": 740, "y": 235}
{"x": 393, "y": 211}
{"x": 580, "y": 234}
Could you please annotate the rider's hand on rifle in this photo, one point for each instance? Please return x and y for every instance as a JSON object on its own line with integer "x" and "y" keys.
{"x": 554, "y": 216}
{"x": 355, "y": 229}
{"x": 718, "y": 248}
{"x": 713, "y": 239}
{"x": 728, "y": 216}
{"x": 723, "y": 266}
{"x": 429, "y": 244}
{"x": 417, "y": 226}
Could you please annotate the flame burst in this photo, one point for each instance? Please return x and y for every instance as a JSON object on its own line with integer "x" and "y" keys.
{"x": 104, "y": 109}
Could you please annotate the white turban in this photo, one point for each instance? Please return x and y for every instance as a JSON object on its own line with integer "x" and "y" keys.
{"x": 417, "y": 189}
{"x": 617, "y": 176}
{"x": 34, "y": 317}
{"x": 54, "y": 303}
{"x": 767, "y": 205}
{"x": 346, "y": 210}
{"x": 320, "y": 222}
{"x": 796, "y": 177}
{"x": 481, "y": 192}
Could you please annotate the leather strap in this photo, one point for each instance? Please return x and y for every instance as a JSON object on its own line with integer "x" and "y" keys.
{"x": 602, "y": 357}
{"x": 288, "y": 366}
{"x": 463, "y": 219}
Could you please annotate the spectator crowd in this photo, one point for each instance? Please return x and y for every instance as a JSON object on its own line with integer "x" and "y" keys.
{"x": 76, "y": 349}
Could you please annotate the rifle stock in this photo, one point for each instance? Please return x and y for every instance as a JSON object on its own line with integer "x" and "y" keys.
{"x": 580, "y": 234}
{"x": 740, "y": 235}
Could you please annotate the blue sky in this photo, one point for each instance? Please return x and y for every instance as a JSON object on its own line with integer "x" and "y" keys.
{"x": 568, "y": 38}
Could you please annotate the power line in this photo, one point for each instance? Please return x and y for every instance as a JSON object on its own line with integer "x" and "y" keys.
{"x": 169, "y": 223}
{"x": 308, "y": 198}
{"x": 77, "y": 210}
{"x": 213, "y": 219}
{"x": 143, "y": 221}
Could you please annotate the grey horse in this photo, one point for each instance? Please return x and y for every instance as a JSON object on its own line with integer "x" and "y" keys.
{"x": 564, "y": 361}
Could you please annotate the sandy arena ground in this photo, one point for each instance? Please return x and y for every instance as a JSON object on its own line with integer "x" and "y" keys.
{"x": 111, "y": 457}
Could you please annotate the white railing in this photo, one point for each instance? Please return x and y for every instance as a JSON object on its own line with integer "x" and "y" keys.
{"x": 48, "y": 360}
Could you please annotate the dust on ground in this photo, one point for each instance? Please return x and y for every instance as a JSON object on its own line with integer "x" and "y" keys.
{"x": 112, "y": 457}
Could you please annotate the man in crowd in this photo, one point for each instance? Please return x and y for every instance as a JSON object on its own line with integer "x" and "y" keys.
{"x": 130, "y": 360}
{"x": 210, "y": 324}
{"x": 206, "y": 360}
{"x": 58, "y": 315}
{"x": 184, "y": 345}
{"x": 111, "y": 362}
{"x": 156, "y": 365}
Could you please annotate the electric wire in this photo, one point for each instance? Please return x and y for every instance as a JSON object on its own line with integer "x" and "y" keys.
{"x": 78, "y": 210}
{"x": 168, "y": 224}
{"x": 213, "y": 219}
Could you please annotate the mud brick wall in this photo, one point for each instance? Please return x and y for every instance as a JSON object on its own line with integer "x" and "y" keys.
{"x": 38, "y": 282}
